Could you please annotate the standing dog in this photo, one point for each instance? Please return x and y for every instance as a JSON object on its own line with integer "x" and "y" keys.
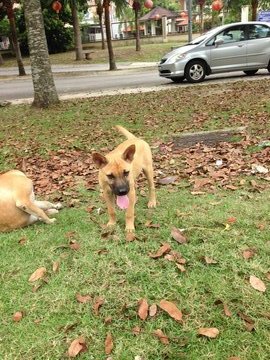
{"x": 18, "y": 207}
{"x": 118, "y": 171}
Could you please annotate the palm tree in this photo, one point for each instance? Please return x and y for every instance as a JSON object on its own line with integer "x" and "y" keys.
{"x": 137, "y": 7}
{"x": 76, "y": 29}
{"x": 106, "y": 5}
{"x": 45, "y": 93}
{"x": 100, "y": 16}
{"x": 8, "y": 6}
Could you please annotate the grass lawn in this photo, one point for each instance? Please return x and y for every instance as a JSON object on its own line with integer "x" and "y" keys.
{"x": 149, "y": 52}
{"x": 225, "y": 214}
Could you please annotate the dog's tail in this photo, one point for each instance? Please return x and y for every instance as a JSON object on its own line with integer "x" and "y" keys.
{"x": 125, "y": 132}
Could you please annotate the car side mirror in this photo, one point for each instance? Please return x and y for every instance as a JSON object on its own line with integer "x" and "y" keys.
{"x": 219, "y": 42}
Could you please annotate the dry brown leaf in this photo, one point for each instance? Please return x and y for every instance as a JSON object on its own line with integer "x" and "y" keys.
{"x": 178, "y": 235}
{"x": 152, "y": 310}
{"x": 76, "y": 347}
{"x": 249, "y": 323}
{"x": 162, "y": 337}
{"x": 55, "y": 266}
{"x": 149, "y": 224}
{"x": 38, "y": 274}
{"x": 74, "y": 245}
{"x": 17, "y": 316}
{"x": 83, "y": 298}
{"x": 234, "y": 358}
{"x": 171, "y": 309}
{"x": 227, "y": 311}
{"x": 209, "y": 260}
{"x": 22, "y": 241}
{"x": 248, "y": 253}
{"x": 231, "y": 220}
{"x": 164, "y": 249}
{"x": 108, "y": 344}
{"x": 268, "y": 275}
{"x": 208, "y": 332}
{"x": 257, "y": 284}
{"x": 108, "y": 320}
{"x": 143, "y": 309}
{"x": 167, "y": 180}
{"x": 97, "y": 304}
{"x": 180, "y": 267}
{"x": 136, "y": 330}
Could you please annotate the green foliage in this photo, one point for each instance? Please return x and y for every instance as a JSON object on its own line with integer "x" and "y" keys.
{"x": 4, "y": 27}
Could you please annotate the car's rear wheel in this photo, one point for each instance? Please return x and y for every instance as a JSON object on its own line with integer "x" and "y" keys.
{"x": 178, "y": 79}
{"x": 195, "y": 71}
{"x": 250, "y": 72}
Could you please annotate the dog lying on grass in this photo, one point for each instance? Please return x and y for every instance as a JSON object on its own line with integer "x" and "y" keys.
{"x": 118, "y": 171}
{"x": 18, "y": 207}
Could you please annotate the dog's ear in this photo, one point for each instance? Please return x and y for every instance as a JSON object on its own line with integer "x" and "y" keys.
{"x": 99, "y": 160}
{"x": 129, "y": 153}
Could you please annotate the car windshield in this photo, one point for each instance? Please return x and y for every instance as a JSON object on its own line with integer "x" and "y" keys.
{"x": 201, "y": 38}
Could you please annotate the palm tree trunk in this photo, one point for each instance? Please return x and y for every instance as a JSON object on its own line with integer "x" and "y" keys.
{"x": 106, "y": 4}
{"x": 254, "y": 8}
{"x": 45, "y": 93}
{"x": 14, "y": 39}
{"x": 138, "y": 39}
{"x": 100, "y": 15}
{"x": 77, "y": 31}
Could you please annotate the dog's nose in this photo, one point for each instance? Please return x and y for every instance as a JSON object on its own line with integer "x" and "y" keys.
{"x": 122, "y": 191}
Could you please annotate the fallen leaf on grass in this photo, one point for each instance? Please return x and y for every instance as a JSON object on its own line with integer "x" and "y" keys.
{"x": 22, "y": 241}
{"x": 108, "y": 344}
{"x": 17, "y": 316}
{"x": 136, "y": 330}
{"x": 74, "y": 245}
{"x": 97, "y": 304}
{"x": 108, "y": 320}
{"x": 171, "y": 309}
{"x": 178, "y": 235}
{"x": 231, "y": 220}
{"x": 248, "y": 253}
{"x": 165, "y": 248}
{"x": 152, "y": 310}
{"x": 150, "y": 224}
{"x": 167, "y": 180}
{"x": 249, "y": 323}
{"x": 161, "y": 336}
{"x": 234, "y": 358}
{"x": 227, "y": 311}
{"x": 55, "y": 266}
{"x": 143, "y": 309}
{"x": 208, "y": 332}
{"x": 38, "y": 274}
{"x": 180, "y": 267}
{"x": 76, "y": 347}
{"x": 257, "y": 284}
{"x": 268, "y": 275}
{"x": 83, "y": 298}
{"x": 209, "y": 260}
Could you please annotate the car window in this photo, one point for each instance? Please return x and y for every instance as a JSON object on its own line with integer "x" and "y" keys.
{"x": 258, "y": 31}
{"x": 230, "y": 35}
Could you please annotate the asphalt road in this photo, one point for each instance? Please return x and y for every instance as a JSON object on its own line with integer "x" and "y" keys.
{"x": 91, "y": 83}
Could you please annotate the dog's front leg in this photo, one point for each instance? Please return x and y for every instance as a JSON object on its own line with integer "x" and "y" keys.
{"x": 130, "y": 212}
{"x": 109, "y": 199}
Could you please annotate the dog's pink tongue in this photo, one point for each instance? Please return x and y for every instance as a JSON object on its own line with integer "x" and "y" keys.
{"x": 122, "y": 201}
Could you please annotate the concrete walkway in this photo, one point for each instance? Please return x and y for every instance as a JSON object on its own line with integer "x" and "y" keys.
{"x": 13, "y": 71}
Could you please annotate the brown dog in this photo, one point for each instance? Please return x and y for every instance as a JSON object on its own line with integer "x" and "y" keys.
{"x": 118, "y": 171}
{"x": 18, "y": 207}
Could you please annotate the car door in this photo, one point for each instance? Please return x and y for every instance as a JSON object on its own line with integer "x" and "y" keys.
{"x": 258, "y": 45}
{"x": 228, "y": 50}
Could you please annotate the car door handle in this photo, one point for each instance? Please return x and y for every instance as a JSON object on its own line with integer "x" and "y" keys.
{"x": 240, "y": 45}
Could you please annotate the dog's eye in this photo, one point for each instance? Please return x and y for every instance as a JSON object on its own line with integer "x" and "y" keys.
{"x": 110, "y": 176}
{"x": 126, "y": 173}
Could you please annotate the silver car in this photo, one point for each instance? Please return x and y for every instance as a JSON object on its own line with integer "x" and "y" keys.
{"x": 241, "y": 46}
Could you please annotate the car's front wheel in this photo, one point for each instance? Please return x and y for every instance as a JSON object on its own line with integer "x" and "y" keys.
{"x": 250, "y": 72}
{"x": 178, "y": 79}
{"x": 195, "y": 71}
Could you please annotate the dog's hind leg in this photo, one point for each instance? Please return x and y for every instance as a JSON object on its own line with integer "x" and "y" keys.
{"x": 30, "y": 208}
{"x": 149, "y": 173}
{"x": 46, "y": 205}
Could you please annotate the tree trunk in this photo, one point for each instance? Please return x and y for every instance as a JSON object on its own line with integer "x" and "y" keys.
{"x": 254, "y": 8}
{"x": 106, "y": 4}
{"x": 45, "y": 93}
{"x": 138, "y": 39}
{"x": 77, "y": 31}
{"x": 100, "y": 14}
{"x": 14, "y": 39}
{"x": 1, "y": 60}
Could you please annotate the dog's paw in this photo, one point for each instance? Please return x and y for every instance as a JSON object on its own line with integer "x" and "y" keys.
{"x": 111, "y": 224}
{"x": 58, "y": 206}
{"x": 152, "y": 204}
{"x": 51, "y": 221}
{"x": 130, "y": 236}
